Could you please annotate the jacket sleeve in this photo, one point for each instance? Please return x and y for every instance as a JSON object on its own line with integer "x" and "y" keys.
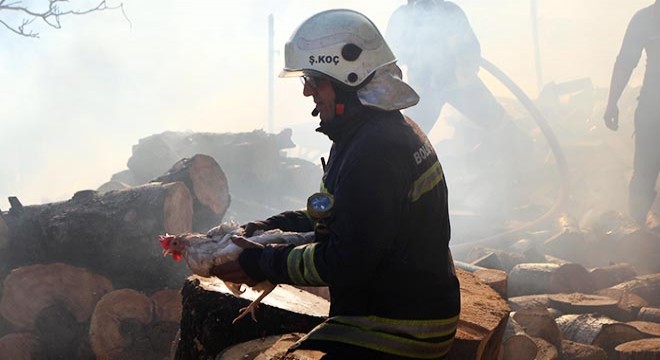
{"x": 297, "y": 221}
{"x": 369, "y": 201}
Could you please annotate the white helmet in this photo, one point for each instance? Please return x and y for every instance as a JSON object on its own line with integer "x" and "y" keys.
{"x": 347, "y": 47}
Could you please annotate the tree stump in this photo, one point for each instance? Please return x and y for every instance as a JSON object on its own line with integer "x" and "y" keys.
{"x": 114, "y": 234}
{"x": 519, "y": 347}
{"x": 208, "y": 186}
{"x": 209, "y": 308}
{"x": 545, "y": 278}
{"x": 546, "y": 351}
{"x": 646, "y": 349}
{"x": 597, "y": 330}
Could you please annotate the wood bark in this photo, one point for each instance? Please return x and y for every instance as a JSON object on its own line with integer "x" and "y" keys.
{"x": 571, "y": 350}
{"x": 113, "y": 234}
{"x": 606, "y": 276}
{"x": 118, "y": 325}
{"x": 597, "y": 330}
{"x": 29, "y": 290}
{"x": 649, "y": 314}
{"x": 545, "y": 278}
{"x": 539, "y": 323}
{"x": 208, "y": 187}
{"x": 646, "y": 349}
{"x": 209, "y": 308}
{"x": 483, "y": 320}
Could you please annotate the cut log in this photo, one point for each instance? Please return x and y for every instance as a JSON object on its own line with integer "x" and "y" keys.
{"x": 119, "y": 322}
{"x": 571, "y": 350}
{"x": 209, "y": 308}
{"x": 545, "y": 278}
{"x": 29, "y": 290}
{"x": 569, "y": 243}
{"x": 539, "y": 323}
{"x": 167, "y": 305}
{"x": 483, "y": 320}
{"x": 20, "y": 346}
{"x": 646, "y": 349}
{"x": 555, "y": 260}
{"x": 114, "y": 234}
{"x": 529, "y": 302}
{"x": 597, "y": 330}
{"x": 645, "y": 286}
{"x": 262, "y": 178}
{"x": 271, "y": 347}
{"x": 496, "y": 279}
{"x": 578, "y": 303}
{"x": 488, "y": 261}
{"x": 512, "y": 327}
{"x": 519, "y": 347}
{"x": 628, "y": 304}
{"x": 649, "y": 314}
{"x": 545, "y": 350}
{"x": 208, "y": 186}
{"x": 611, "y": 275}
{"x": 649, "y": 329}
{"x": 60, "y": 335}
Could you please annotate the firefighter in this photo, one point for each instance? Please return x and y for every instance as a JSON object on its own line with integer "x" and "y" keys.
{"x": 435, "y": 41}
{"x": 383, "y": 249}
{"x": 643, "y": 33}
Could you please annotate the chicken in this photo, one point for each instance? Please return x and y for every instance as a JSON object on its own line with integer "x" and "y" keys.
{"x": 201, "y": 253}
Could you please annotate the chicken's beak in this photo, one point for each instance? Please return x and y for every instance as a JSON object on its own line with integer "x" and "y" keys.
{"x": 166, "y": 252}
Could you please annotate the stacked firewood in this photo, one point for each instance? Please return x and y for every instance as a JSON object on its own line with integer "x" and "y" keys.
{"x": 85, "y": 278}
{"x": 562, "y": 309}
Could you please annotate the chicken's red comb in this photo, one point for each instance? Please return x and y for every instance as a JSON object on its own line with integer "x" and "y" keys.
{"x": 165, "y": 240}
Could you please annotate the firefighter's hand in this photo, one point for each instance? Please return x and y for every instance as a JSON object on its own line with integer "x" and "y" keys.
{"x": 254, "y": 228}
{"x": 611, "y": 117}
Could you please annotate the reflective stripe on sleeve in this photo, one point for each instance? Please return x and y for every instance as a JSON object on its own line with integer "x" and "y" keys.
{"x": 301, "y": 266}
{"x": 425, "y": 183}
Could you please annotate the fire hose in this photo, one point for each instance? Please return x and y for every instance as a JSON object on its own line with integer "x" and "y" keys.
{"x": 504, "y": 238}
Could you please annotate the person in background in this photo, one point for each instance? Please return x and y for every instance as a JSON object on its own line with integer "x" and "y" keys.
{"x": 381, "y": 222}
{"x": 435, "y": 41}
{"x": 643, "y": 34}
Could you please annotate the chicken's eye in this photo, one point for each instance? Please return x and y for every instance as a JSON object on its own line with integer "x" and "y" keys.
{"x": 174, "y": 243}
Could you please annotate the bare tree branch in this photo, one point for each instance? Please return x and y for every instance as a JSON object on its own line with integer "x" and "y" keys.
{"x": 51, "y": 17}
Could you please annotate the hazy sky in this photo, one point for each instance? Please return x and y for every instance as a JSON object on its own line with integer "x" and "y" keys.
{"x": 73, "y": 102}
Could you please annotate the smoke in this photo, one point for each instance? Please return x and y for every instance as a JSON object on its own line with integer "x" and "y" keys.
{"x": 73, "y": 102}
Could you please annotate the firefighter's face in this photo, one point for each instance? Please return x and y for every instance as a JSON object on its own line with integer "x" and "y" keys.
{"x": 323, "y": 93}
